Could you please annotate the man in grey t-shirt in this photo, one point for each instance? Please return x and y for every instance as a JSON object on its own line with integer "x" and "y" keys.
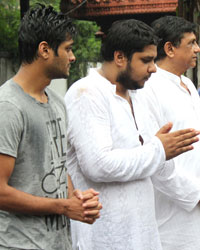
{"x": 35, "y": 205}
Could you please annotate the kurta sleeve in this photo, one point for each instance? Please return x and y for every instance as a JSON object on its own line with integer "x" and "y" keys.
{"x": 172, "y": 180}
{"x": 89, "y": 132}
{"x": 181, "y": 188}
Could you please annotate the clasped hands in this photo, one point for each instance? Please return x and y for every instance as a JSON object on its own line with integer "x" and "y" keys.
{"x": 85, "y": 206}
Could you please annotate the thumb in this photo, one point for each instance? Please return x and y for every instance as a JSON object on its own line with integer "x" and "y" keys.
{"x": 94, "y": 192}
{"x": 165, "y": 129}
{"x": 78, "y": 194}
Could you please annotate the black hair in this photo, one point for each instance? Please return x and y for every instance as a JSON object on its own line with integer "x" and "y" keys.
{"x": 171, "y": 29}
{"x": 128, "y": 36}
{"x": 42, "y": 23}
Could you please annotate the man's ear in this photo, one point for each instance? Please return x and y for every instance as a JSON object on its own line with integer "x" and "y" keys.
{"x": 169, "y": 49}
{"x": 119, "y": 58}
{"x": 43, "y": 50}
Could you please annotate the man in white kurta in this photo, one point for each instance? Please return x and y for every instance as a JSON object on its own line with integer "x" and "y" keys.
{"x": 173, "y": 97}
{"x": 105, "y": 153}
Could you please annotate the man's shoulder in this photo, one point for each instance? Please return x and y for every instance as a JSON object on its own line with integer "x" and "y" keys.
{"x": 9, "y": 93}
{"x": 155, "y": 77}
{"x": 54, "y": 96}
{"x": 90, "y": 80}
{"x": 160, "y": 79}
{"x": 92, "y": 83}
{"x": 6, "y": 88}
{"x": 186, "y": 79}
{"x": 155, "y": 81}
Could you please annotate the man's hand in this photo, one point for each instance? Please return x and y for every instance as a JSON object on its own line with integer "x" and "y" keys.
{"x": 90, "y": 203}
{"x": 84, "y": 206}
{"x": 85, "y": 195}
{"x": 178, "y": 142}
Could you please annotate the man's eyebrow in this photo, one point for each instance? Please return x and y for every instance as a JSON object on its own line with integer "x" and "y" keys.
{"x": 193, "y": 40}
{"x": 148, "y": 57}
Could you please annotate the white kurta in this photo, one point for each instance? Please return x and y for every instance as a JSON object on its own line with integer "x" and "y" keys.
{"x": 169, "y": 101}
{"x": 104, "y": 152}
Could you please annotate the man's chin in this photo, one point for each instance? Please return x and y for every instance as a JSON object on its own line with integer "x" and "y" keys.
{"x": 141, "y": 84}
{"x": 137, "y": 87}
{"x": 65, "y": 76}
{"x": 60, "y": 77}
{"x": 193, "y": 65}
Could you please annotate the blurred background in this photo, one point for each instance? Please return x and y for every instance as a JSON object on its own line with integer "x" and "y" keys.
{"x": 92, "y": 18}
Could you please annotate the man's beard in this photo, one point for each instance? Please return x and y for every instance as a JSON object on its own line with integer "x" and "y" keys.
{"x": 125, "y": 79}
{"x": 56, "y": 73}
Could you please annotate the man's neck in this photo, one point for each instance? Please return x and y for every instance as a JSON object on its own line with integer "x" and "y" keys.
{"x": 169, "y": 66}
{"x": 32, "y": 81}
{"x": 172, "y": 69}
{"x": 109, "y": 71}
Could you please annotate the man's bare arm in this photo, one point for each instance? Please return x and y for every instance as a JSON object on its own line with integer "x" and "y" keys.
{"x": 17, "y": 201}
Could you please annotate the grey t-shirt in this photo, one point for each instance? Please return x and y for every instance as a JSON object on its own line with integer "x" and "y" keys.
{"x": 35, "y": 134}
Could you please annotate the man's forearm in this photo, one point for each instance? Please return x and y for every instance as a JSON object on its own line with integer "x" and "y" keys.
{"x": 13, "y": 200}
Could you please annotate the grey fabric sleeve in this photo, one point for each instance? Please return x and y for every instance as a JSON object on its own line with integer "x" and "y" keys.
{"x": 11, "y": 128}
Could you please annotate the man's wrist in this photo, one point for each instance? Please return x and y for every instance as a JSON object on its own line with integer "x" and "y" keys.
{"x": 61, "y": 206}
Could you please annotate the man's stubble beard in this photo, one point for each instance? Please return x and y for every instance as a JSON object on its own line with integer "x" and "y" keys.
{"x": 125, "y": 79}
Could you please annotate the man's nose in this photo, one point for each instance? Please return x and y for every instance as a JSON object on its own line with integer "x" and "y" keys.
{"x": 197, "y": 48}
{"x": 72, "y": 57}
{"x": 152, "y": 68}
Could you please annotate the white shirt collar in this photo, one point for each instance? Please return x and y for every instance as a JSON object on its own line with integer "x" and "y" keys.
{"x": 172, "y": 77}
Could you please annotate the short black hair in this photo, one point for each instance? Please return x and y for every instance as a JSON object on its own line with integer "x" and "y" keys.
{"x": 128, "y": 36}
{"x": 171, "y": 29}
{"x": 42, "y": 23}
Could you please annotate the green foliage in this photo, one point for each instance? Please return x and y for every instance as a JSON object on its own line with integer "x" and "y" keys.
{"x": 9, "y": 22}
{"x": 86, "y": 49}
{"x": 54, "y": 3}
